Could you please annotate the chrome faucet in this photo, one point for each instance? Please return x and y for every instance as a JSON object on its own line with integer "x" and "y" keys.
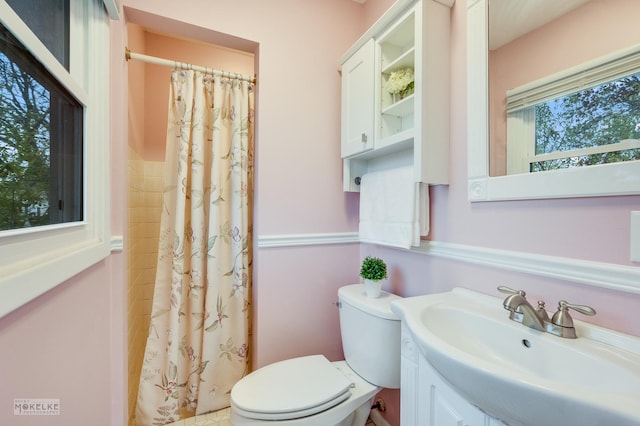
{"x": 520, "y": 310}
{"x": 561, "y": 324}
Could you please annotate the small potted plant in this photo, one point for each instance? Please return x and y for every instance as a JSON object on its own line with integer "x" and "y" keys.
{"x": 373, "y": 271}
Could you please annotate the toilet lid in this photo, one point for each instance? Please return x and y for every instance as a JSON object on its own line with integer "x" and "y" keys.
{"x": 290, "y": 389}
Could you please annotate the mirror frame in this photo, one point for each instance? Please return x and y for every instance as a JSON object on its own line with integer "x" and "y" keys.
{"x": 593, "y": 181}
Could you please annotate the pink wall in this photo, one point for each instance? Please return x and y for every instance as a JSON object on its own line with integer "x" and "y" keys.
{"x": 298, "y": 153}
{"x": 298, "y": 157}
{"x": 59, "y": 346}
{"x": 68, "y": 343}
{"x": 156, "y": 81}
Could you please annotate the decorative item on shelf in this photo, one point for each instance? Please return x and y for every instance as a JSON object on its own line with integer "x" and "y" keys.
{"x": 400, "y": 83}
{"x": 373, "y": 271}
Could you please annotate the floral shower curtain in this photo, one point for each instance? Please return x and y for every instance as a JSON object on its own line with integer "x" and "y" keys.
{"x": 197, "y": 347}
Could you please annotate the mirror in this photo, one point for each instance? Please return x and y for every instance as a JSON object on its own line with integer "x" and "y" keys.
{"x": 495, "y": 23}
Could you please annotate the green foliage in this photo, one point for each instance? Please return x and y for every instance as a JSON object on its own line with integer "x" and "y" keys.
{"x": 601, "y": 115}
{"x": 24, "y": 148}
{"x": 373, "y": 268}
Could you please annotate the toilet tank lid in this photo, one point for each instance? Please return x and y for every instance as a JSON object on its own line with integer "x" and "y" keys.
{"x": 356, "y": 296}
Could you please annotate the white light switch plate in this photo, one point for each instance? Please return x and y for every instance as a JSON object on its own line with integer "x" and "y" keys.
{"x": 635, "y": 236}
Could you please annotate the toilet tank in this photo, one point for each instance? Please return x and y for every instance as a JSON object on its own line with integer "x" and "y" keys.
{"x": 370, "y": 335}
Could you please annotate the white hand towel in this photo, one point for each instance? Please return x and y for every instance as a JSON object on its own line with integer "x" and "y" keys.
{"x": 394, "y": 210}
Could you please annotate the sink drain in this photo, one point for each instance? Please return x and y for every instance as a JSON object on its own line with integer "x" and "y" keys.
{"x": 526, "y": 343}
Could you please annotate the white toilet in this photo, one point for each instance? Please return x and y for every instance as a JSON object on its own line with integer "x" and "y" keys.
{"x": 312, "y": 391}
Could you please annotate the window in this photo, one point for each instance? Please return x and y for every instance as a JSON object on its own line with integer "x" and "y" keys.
{"x": 40, "y": 143}
{"x": 588, "y": 116}
{"x": 49, "y": 21}
{"x": 54, "y": 144}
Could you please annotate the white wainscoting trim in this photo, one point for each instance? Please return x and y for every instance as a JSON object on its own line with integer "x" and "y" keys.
{"x": 598, "y": 274}
{"x": 268, "y": 241}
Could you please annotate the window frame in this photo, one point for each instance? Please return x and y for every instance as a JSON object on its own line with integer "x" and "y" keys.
{"x": 35, "y": 260}
{"x": 521, "y": 103}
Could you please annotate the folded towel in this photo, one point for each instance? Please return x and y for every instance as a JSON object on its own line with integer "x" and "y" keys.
{"x": 394, "y": 210}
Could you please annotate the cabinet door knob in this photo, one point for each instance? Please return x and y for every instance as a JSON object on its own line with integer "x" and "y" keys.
{"x": 364, "y": 138}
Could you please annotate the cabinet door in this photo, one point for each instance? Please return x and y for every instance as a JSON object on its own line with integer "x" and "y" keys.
{"x": 442, "y": 405}
{"x": 357, "y": 101}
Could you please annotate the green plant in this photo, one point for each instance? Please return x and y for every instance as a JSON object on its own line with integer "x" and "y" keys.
{"x": 373, "y": 268}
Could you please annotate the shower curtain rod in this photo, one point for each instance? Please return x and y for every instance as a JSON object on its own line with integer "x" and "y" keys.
{"x": 128, "y": 54}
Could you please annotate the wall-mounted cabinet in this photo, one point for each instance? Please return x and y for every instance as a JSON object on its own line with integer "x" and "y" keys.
{"x": 381, "y": 130}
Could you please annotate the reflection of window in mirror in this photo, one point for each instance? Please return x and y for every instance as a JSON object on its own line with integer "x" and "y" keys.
{"x": 587, "y": 116}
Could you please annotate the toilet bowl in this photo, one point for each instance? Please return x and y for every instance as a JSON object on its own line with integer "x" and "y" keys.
{"x": 337, "y": 401}
{"x": 311, "y": 390}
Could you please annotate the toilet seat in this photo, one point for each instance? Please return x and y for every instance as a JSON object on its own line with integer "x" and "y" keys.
{"x": 290, "y": 389}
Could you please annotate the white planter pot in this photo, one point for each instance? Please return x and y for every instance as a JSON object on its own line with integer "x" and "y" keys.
{"x": 373, "y": 288}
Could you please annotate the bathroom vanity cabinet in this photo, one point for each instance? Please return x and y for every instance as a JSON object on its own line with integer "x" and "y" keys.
{"x": 426, "y": 399}
{"x": 380, "y": 130}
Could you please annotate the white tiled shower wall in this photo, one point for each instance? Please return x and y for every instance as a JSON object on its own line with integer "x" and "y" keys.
{"x": 145, "y": 207}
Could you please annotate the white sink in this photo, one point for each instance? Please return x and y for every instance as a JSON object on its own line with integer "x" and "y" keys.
{"x": 522, "y": 376}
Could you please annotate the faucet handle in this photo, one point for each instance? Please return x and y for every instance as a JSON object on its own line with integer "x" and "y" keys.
{"x": 509, "y": 290}
{"x": 562, "y": 317}
{"x": 583, "y": 309}
{"x": 541, "y": 312}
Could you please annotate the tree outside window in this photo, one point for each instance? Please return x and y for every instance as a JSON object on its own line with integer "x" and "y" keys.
{"x": 595, "y": 117}
{"x": 41, "y": 169}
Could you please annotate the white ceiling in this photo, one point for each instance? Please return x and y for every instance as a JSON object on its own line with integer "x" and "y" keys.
{"x": 509, "y": 19}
